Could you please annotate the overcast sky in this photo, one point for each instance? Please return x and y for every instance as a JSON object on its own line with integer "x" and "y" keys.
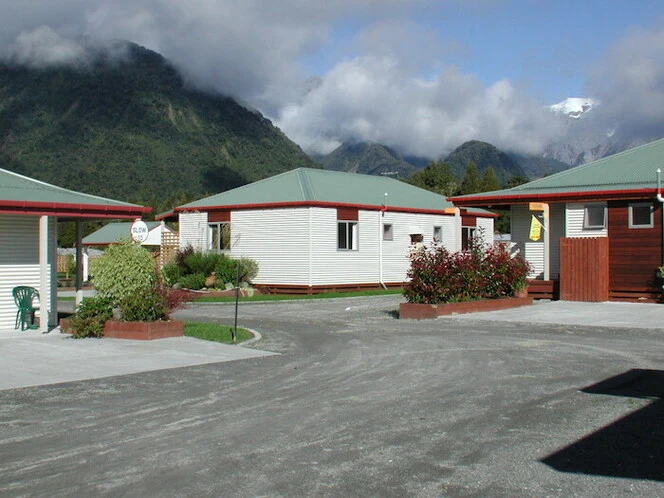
{"x": 416, "y": 74}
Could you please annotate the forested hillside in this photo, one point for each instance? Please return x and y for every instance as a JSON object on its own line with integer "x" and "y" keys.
{"x": 130, "y": 129}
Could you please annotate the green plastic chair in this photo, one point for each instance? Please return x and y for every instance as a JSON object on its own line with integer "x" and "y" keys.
{"x": 23, "y": 297}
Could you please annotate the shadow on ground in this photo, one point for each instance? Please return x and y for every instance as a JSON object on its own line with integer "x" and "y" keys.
{"x": 632, "y": 446}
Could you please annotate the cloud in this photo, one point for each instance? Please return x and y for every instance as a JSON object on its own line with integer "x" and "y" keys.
{"x": 43, "y": 47}
{"x": 629, "y": 82}
{"x": 375, "y": 98}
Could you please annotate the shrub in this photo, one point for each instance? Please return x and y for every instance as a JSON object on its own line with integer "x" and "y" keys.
{"x": 248, "y": 269}
{"x": 89, "y": 319}
{"x": 171, "y": 273}
{"x": 149, "y": 305}
{"x": 483, "y": 272}
{"x": 193, "y": 282}
{"x": 225, "y": 271}
{"x": 123, "y": 270}
{"x": 200, "y": 262}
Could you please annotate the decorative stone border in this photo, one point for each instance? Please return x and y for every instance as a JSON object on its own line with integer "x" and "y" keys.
{"x": 143, "y": 331}
{"x": 428, "y": 311}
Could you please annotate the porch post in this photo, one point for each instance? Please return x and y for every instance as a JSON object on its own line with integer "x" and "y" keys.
{"x": 44, "y": 287}
{"x": 79, "y": 263}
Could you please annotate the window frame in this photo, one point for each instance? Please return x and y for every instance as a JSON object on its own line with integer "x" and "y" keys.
{"x": 220, "y": 226}
{"x": 465, "y": 241}
{"x": 630, "y": 215}
{"x": 351, "y": 235}
{"x": 389, "y": 233}
{"x": 591, "y": 205}
{"x": 437, "y": 236}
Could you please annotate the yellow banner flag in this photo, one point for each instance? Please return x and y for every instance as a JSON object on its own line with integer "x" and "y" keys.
{"x": 535, "y": 228}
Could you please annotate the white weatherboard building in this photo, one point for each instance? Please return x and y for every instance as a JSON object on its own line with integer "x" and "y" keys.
{"x": 315, "y": 230}
{"x": 29, "y": 212}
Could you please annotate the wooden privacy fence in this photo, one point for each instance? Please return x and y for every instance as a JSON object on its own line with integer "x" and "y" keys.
{"x": 170, "y": 243}
{"x": 584, "y": 269}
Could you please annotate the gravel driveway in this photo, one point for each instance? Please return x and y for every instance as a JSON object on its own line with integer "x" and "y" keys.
{"x": 358, "y": 403}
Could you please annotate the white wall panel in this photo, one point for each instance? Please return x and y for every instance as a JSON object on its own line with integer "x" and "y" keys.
{"x": 532, "y": 251}
{"x": 574, "y": 215}
{"x": 278, "y": 240}
{"x": 19, "y": 261}
{"x": 193, "y": 229}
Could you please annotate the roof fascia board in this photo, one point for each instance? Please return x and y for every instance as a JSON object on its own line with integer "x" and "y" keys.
{"x": 603, "y": 195}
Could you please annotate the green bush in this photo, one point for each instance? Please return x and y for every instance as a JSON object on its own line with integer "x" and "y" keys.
{"x": 200, "y": 262}
{"x": 193, "y": 282}
{"x": 225, "y": 271}
{"x": 248, "y": 269}
{"x": 171, "y": 273}
{"x": 89, "y": 319}
{"x": 148, "y": 306}
{"x": 123, "y": 270}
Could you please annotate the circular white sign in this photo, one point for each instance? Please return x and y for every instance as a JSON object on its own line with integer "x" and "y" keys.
{"x": 139, "y": 231}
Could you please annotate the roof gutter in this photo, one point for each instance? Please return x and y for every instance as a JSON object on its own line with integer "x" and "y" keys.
{"x": 551, "y": 197}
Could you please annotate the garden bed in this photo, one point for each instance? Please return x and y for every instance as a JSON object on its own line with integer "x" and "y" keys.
{"x": 142, "y": 331}
{"x": 415, "y": 311}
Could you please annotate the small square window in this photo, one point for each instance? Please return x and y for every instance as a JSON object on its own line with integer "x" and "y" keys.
{"x": 641, "y": 215}
{"x": 219, "y": 236}
{"x": 594, "y": 216}
{"x": 437, "y": 234}
{"x": 388, "y": 233}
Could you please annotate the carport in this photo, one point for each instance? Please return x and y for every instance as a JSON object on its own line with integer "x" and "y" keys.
{"x": 29, "y": 213}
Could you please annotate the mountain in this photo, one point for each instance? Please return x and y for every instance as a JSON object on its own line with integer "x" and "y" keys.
{"x": 483, "y": 155}
{"x": 585, "y": 138}
{"x": 130, "y": 128}
{"x": 372, "y": 159}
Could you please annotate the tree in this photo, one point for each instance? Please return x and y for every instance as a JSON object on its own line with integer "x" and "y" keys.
{"x": 515, "y": 181}
{"x": 489, "y": 181}
{"x": 436, "y": 177}
{"x": 471, "y": 180}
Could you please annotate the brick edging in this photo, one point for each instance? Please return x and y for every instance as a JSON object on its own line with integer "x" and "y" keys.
{"x": 415, "y": 311}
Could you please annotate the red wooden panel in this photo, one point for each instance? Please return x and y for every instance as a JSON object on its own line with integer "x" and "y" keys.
{"x": 219, "y": 216}
{"x": 468, "y": 220}
{"x": 347, "y": 214}
{"x": 584, "y": 269}
{"x": 634, "y": 253}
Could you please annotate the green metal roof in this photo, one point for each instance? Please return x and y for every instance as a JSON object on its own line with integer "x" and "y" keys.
{"x": 304, "y": 185}
{"x": 15, "y": 187}
{"x": 114, "y": 232}
{"x": 634, "y": 169}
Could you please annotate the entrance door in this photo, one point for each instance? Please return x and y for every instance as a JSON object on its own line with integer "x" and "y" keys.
{"x": 584, "y": 269}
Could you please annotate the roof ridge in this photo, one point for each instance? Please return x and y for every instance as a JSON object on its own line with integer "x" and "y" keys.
{"x": 305, "y": 184}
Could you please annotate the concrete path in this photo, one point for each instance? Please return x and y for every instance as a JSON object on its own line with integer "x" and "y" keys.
{"x": 30, "y": 358}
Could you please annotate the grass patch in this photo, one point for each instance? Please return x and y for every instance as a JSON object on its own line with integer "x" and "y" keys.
{"x": 215, "y": 332}
{"x": 291, "y": 297}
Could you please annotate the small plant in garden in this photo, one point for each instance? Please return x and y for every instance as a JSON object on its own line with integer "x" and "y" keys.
{"x": 483, "y": 272}
{"x": 89, "y": 319}
{"x": 191, "y": 269}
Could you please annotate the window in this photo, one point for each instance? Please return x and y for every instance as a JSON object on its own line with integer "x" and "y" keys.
{"x": 388, "y": 234}
{"x": 437, "y": 234}
{"x": 219, "y": 236}
{"x": 347, "y": 235}
{"x": 467, "y": 235}
{"x": 641, "y": 215}
{"x": 594, "y": 216}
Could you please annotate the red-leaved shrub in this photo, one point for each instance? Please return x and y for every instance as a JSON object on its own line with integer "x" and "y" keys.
{"x": 483, "y": 272}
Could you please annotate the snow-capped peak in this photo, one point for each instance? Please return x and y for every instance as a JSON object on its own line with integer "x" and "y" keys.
{"x": 574, "y": 107}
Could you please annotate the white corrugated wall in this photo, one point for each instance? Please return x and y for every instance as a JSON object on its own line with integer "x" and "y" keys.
{"x": 278, "y": 239}
{"x": 520, "y": 229}
{"x": 486, "y": 226}
{"x": 574, "y": 214}
{"x": 19, "y": 262}
{"x": 193, "y": 229}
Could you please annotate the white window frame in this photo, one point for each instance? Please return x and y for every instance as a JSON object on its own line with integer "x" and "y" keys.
{"x": 220, "y": 226}
{"x": 586, "y": 217}
{"x": 388, "y": 231}
{"x": 471, "y": 233}
{"x": 630, "y": 215}
{"x": 352, "y": 239}
{"x": 437, "y": 234}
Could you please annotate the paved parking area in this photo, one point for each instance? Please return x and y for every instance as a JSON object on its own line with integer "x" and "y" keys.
{"x": 358, "y": 403}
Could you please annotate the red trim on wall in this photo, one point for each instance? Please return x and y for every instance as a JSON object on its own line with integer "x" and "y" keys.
{"x": 75, "y": 210}
{"x": 348, "y": 214}
{"x": 562, "y": 196}
{"x": 296, "y": 204}
{"x": 219, "y": 216}
{"x": 468, "y": 221}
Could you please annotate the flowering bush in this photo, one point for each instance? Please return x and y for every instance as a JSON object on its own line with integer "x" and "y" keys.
{"x": 483, "y": 272}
